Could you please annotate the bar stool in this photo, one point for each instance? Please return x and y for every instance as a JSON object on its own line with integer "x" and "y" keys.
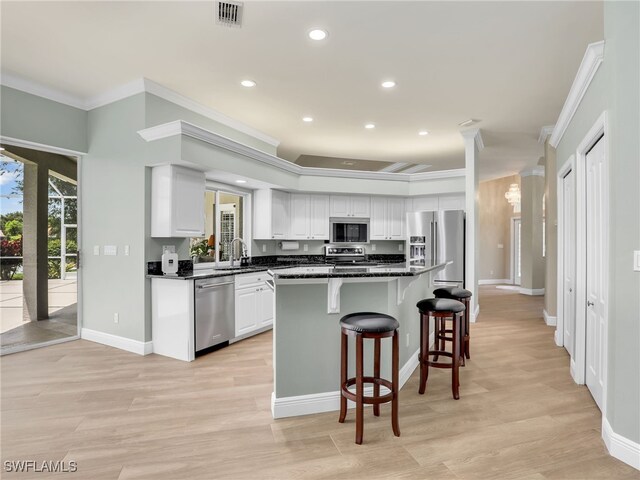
{"x": 464, "y": 296}
{"x": 376, "y": 326}
{"x": 438, "y": 308}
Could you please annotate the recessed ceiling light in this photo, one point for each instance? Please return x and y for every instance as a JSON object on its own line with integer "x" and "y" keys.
{"x": 307, "y": 119}
{"x": 370, "y": 126}
{"x": 388, "y": 84}
{"x": 248, "y": 83}
{"x": 241, "y": 181}
{"x": 423, "y": 132}
{"x": 317, "y": 34}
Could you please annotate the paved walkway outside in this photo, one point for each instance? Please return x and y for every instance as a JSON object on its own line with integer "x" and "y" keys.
{"x": 17, "y": 329}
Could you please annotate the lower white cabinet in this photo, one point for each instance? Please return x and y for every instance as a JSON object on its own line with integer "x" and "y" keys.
{"x": 254, "y": 303}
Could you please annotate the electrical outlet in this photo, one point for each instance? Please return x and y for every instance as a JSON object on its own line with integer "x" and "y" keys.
{"x": 500, "y": 245}
{"x": 264, "y": 247}
{"x": 110, "y": 250}
{"x": 165, "y": 248}
{"x": 126, "y": 250}
{"x": 491, "y": 272}
{"x": 636, "y": 260}
{"x": 373, "y": 247}
{"x": 116, "y": 318}
{"x": 96, "y": 249}
{"x": 400, "y": 247}
{"x": 407, "y": 339}
{"x": 305, "y": 247}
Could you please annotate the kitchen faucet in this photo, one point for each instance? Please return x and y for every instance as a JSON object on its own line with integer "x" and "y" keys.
{"x": 244, "y": 249}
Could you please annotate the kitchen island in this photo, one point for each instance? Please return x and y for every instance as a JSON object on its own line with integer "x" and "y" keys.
{"x": 310, "y": 301}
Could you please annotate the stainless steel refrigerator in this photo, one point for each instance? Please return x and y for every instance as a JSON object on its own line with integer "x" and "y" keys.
{"x": 438, "y": 237}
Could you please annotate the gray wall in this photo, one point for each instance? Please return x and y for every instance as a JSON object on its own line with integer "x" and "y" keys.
{"x": 531, "y": 260}
{"x": 551, "y": 230}
{"x": 36, "y": 119}
{"x": 615, "y": 89}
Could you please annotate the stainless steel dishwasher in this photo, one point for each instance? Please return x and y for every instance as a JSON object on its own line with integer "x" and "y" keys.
{"x": 215, "y": 311}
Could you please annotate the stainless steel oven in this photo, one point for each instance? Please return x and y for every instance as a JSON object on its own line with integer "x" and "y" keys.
{"x": 349, "y": 230}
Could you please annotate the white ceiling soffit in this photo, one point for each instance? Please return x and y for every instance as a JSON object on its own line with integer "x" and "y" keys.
{"x": 180, "y": 127}
{"x": 591, "y": 61}
{"x": 394, "y": 167}
{"x": 127, "y": 90}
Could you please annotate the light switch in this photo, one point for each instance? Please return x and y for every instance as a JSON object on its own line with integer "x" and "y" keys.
{"x": 126, "y": 249}
{"x": 636, "y": 260}
{"x": 96, "y": 249}
{"x": 305, "y": 247}
{"x": 110, "y": 250}
{"x": 264, "y": 247}
{"x": 373, "y": 247}
{"x": 400, "y": 247}
{"x": 500, "y": 245}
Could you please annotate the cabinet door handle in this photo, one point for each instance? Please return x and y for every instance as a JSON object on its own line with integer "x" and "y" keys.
{"x": 590, "y": 304}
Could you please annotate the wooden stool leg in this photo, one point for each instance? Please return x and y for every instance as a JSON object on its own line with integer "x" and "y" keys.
{"x": 395, "y": 367}
{"x": 443, "y": 329}
{"x": 344, "y": 362}
{"x": 455, "y": 375}
{"x": 436, "y": 334}
{"x": 359, "y": 390}
{"x": 376, "y": 374}
{"x": 424, "y": 352}
{"x": 466, "y": 333}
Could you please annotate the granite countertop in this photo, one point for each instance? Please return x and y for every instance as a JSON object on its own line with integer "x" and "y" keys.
{"x": 314, "y": 271}
{"x": 263, "y": 264}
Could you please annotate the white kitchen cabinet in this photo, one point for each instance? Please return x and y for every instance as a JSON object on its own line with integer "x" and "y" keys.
{"x": 177, "y": 202}
{"x": 254, "y": 301}
{"x": 309, "y": 217}
{"x": 387, "y": 218}
{"x": 453, "y": 201}
{"x": 357, "y": 206}
{"x": 271, "y": 214}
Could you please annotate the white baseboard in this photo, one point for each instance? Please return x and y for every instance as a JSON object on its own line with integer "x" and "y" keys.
{"x": 531, "y": 291}
{"x": 330, "y": 401}
{"x": 558, "y": 338}
{"x": 133, "y": 346}
{"x": 474, "y": 315}
{"x": 620, "y": 447}
{"x": 494, "y": 281}
{"x": 548, "y": 319}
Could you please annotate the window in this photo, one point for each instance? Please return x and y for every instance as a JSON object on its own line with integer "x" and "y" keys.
{"x": 225, "y": 220}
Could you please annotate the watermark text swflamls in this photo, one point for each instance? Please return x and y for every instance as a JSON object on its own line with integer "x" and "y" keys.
{"x": 45, "y": 466}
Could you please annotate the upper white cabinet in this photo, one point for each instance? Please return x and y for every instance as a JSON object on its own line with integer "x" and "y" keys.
{"x": 177, "y": 202}
{"x": 387, "y": 218}
{"x": 271, "y": 214}
{"x": 357, "y": 206}
{"x": 309, "y": 217}
{"x": 449, "y": 201}
{"x": 453, "y": 201}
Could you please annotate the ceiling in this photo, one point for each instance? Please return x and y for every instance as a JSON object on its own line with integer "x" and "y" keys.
{"x": 508, "y": 64}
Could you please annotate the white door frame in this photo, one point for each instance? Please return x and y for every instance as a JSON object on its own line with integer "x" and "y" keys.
{"x": 79, "y": 281}
{"x": 599, "y": 128}
{"x": 568, "y": 166}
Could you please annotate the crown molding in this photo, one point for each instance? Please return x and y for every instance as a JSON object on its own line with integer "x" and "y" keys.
{"x": 545, "y": 132}
{"x": 591, "y": 61}
{"x": 17, "y": 82}
{"x": 40, "y": 146}
{"x": 180, "y": 127}
{"x": 127, "y": 90}
{"x": 475, "y": 135}
{"x": 537, "y": 171}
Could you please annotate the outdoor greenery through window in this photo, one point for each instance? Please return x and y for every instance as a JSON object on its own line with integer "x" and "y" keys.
{"x": 224, "y": 221}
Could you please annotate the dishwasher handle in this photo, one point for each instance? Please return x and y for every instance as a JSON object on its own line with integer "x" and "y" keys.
{"x": 213, "y": 285}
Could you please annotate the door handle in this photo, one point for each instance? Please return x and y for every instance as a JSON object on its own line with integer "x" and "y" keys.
{"x": 590, "y": 304}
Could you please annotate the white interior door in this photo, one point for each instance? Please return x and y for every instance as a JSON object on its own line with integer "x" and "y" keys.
{"x": 517, "y": 249}
{"x": 597, "y": 229}
{"x": 569, "y": 265}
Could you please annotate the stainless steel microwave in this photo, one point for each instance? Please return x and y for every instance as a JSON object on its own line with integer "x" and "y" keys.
{"x": 349, "y": 230}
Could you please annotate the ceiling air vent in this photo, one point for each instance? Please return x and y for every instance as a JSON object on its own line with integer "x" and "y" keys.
{"x": 229, "y": 13}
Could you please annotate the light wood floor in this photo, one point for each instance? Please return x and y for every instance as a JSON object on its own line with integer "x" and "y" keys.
{"x": 123, "y": 416}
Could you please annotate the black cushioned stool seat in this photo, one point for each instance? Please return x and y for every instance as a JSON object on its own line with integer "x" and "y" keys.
{"x": 369, "y": 322}
{"x": 375, "y": 326}
{"x": 440, "y": 309}
{"x": 462, "y": 295}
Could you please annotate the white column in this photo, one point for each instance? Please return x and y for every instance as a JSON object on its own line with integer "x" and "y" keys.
{"x": 472, "y": 147}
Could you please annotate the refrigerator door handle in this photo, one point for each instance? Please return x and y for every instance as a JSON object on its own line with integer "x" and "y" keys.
{"x": 432, "y": 246}
{"x": 435, "y": 237}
